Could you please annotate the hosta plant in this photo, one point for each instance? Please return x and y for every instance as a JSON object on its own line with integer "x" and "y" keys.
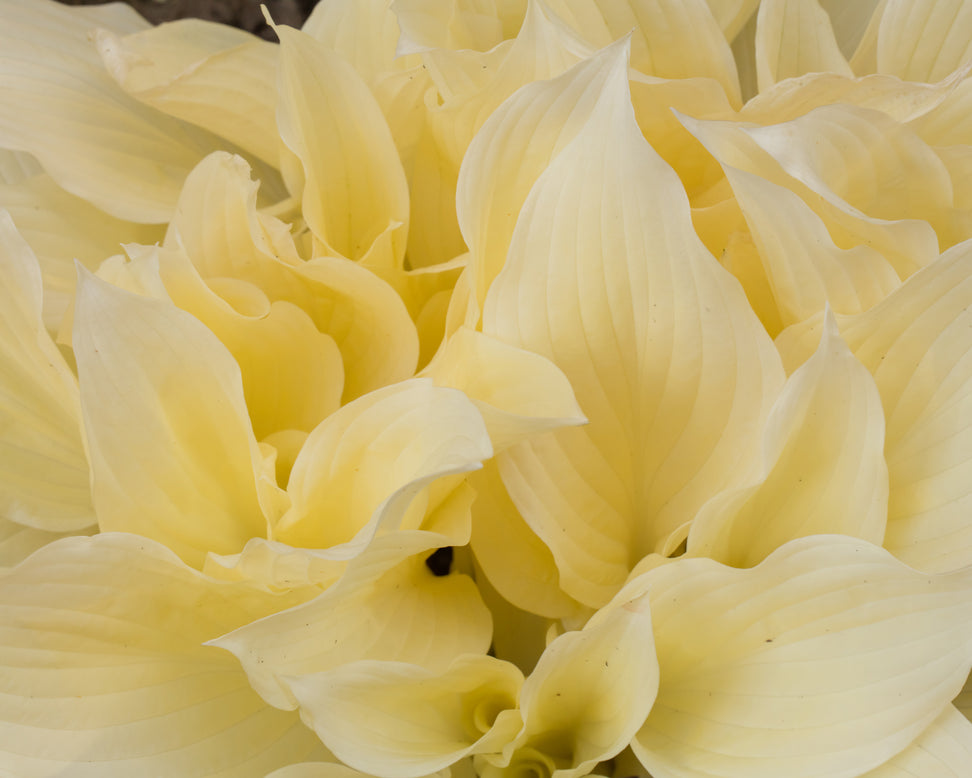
{"x": 487, "y": 388}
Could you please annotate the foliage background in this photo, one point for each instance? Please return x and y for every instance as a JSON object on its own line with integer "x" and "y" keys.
{"x": 245, "y": 14}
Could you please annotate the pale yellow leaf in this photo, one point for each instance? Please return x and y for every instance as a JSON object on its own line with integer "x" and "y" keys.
{"x": 456, "y": 24}
{"x": 904, "y": 101}
{"x": 669, "y": 38}
{"x": 59, "y": 104}
{"x": 519, "y": 393}
{"x": 917, "y": 345}
{"x": 364, "y": 33}
{"x": 841, "y": 151}
{"x": 43, "y": 468}
{"x": 368, "y": 466}
{"x": 607, "y": 279}
{"x": 544, "y": 48}
{"x": 354, "y": 187}
{"x": 515, "y": 561}
{"x": 172, "y": 451}
{"x": 804, "y": 267}
{"x": 232, "y": 245}
{"x": 402, "y": 721}
{"x": 831, "y": 657}
{"x": 511, "y": 151}
{"x": 211, "y": 75}
{"x": 62, "y": 228}
{"x": 589, "y": 694}
{"x": 132, "y": 691}
{"x": 944, "y": 750}
{"x": 794, "y": 37}
{"x": 921, "y": 40}
{"x": 823, "y": 466}
{"x": 388, "y": 606}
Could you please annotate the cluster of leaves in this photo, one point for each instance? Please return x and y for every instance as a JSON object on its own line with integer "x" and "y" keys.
{"x": 487, "y": 387}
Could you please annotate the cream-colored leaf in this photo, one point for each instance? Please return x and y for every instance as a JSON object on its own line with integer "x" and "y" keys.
{"x": 456, "y": 24}
{"x": 473, "y": 85}
{"x": 401, "y": 721}
{"x": 368, "y": 465}
{"x": 823, "y": 466}
{"x": 132, "y": 690}
{"x": 860, "y": 160}
{"x": 944, "y": 750}
{"x": 233, "y": 247}
{"x": 921, "y": 40}
{"x": 516, "y": 562}
{"x": 806, "y": 270}
{"x": 364, "y": 33}
{"x": 831, "y": 658}
{"x": 794, "y": 37}
{"x": 43, "y": 469}
{"x": 657, "y": 103}
{"x": 433, "y": 230}
{"x": 904, "y": 101}
{"x": 217, "y": 223}
{"x": 59, "y": 104}
{"x": 366, "y": 318}
{"x": 62, "y": 228}
{"x": 354, "y": 190}
{"x": 212, "y": 75}
{"x": 607, "y": 279}
{"x": 172, "y": 451}
{"x": 276, "y": 566}
{"x": 670, "y": 38}
{"x": 916, "y": 345}
{"x": 387, "y": 606}
{"x": 293, "y": 375}
{"x": 519, "y": 393}
{"x": 842, "y": 151}
{"x": 950, "y": 122}
{"x": 589, "y": 694}
{"x": 513, "y": 148}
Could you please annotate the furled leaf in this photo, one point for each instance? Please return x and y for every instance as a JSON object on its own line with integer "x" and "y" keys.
{"x": 172, "y": 451}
